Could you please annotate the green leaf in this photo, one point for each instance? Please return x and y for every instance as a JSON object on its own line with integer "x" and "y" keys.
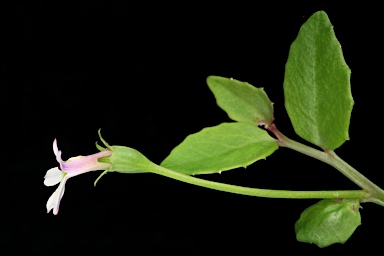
{"x": 328, "y": 221}
{"x": 317, "y": 89}
{"x": 219, "y": 148}
{"x": 242, "y": 101}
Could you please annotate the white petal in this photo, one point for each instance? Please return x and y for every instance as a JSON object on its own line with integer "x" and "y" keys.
{"x": 53, "y": 176}
{"x": 52, "y": 199}
{"x": 60, "y": 194}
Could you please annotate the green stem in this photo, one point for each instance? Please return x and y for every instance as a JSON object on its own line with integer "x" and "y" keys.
{"x": 376, "y": 194}
{"x": 258, "y": 192}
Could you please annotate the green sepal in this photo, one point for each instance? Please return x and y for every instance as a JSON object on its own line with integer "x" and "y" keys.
{"x": 99, "y": 147}
{"x": 124, "y": 160}
{"x": 129, "y": 160}
{"x": 104, "y": 142}
{"x": 98, "y": 178}
{"x": 328, "y": 221}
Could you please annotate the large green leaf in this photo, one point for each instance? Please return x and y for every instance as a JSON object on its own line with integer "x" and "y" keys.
{"x": 242, "y": 101}
{"x": 328, "y": 221}
{"x": 316, "y": 85}
{"x": 219, "y": 148}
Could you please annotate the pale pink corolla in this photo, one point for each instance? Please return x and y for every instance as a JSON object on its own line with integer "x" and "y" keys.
{"x": 70, "y": 168}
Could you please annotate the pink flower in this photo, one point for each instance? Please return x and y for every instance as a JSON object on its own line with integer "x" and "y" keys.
{"x": 70, "y": 168}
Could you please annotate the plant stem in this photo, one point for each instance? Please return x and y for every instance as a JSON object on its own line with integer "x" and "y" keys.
{"x": 258, "y": 192}
{"x": 376, "y": 194}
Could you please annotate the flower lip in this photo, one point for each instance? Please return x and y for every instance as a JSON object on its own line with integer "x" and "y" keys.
{"x": 53, "y": 176}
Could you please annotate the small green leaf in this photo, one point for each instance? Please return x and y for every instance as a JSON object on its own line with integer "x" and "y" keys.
{"x": 328, "y": 221}
{"x": 317, "y": 89}
{"x": 219, "y": 148}
{"x": 242, "y": 101}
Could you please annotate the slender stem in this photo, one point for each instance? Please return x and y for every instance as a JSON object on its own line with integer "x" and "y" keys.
{"x": 376, "y": 194}
{"x": 284, "y": 141}
{"x": 361, "y": 194}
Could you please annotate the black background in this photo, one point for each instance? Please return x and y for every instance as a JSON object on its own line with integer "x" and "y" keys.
{"x": 137, "y": 71}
